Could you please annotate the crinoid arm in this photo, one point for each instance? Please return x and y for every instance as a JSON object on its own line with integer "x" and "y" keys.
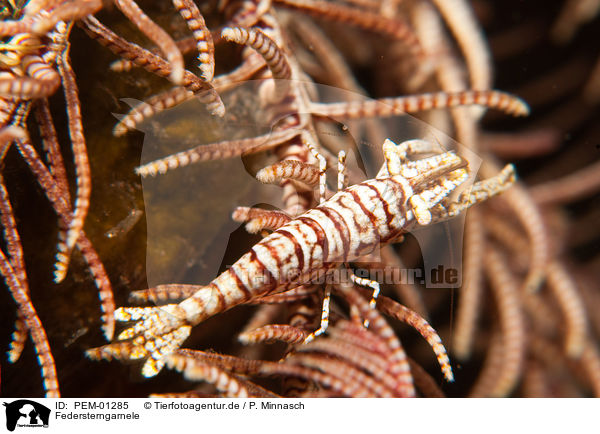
{"x": 163, "y": 294}
{"x": 258, "y": 219}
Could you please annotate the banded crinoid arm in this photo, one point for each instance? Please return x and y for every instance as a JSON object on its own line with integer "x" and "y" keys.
{"x": 150, "y": 107}
{"x": 395, "y": 28}
{"x": 272, "y": 54}
{"x": 162, "y": 294}
{"x": 12, "y": 268}
{"x": 460, "y": 19}
{"x": 68, "y": 239}
{"x": 14, "y": 251}
{"x": 530, "y": 217}
{"x": 584, "y": 182}
{"x": 260, "y": 219}
{"x": 471, "y": 292}
{"x": 402, "y": 313}
{"x": 195, "y": 370}
{"x": 41, "y": 80}
{"x": 397, "y": 361}
{"x": 68, "y": 11}
{"x": 51, "y": 148}
{"x": 156, "y": 34}
{"x": 274, "y": 333}
{"x": 38, "y": 334}
{"x": 416, "y": 103}
{"x": 358, "y": 383}
{"x": 40, "y": 17}
{"x": 501, "y": 375}
{"x": 177, "y": 95}
{"x": 373, "y": 363}
{"x": 345, "y": 380}
{"x": 246, "y": 13}
{"x": 262, "y": 44}
{"x": 216, "y": 151}
{"x": 59, "y": 202}
{"x": 204, "y": 41}
{"x": 290, "y": 169}
{"x": 185, "y": 45}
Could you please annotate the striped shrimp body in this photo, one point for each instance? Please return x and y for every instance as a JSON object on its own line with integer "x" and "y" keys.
{"x": 350, "y": 224}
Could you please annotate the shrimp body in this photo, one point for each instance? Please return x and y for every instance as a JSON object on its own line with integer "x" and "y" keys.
{"x": 350, "y": 224}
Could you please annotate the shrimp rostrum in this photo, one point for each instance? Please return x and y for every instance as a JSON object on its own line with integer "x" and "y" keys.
{"x": 407, "y": 192}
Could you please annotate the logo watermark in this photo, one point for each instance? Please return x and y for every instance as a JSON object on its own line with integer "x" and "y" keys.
{"x": 25, "y": 413}
{"x": 439, "y": 276}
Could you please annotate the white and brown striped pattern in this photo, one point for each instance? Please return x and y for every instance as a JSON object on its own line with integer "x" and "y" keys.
{"x": 185, "y": 45}
{"x": 417, "y": 103}
{"x": 38, "y": 334}
{"x": 18, "y": 340}
{"x": 156, "y": 34}
{"x": 41, "y": 80}
{"x": 196, "y": 370}
{"x": 40, "y": 17}
{"x": 15, "y": 257}
{"x": 295, "y": 200}
{"x": 273, "y": 333}
{"x": 262, "y": 44}
{"x": 12, "y": 27}
{"x": 105, "y": 294}
{"x": 350, "y": 224}
{"x": 368, "y": 361}
{"x": 260, "y": 219}
{"x": 395, "y": 28}
{"x": 564, "y": 289}
{"x": 215, "y": 151}
{"x": 52, "y": 149}
{"x": 358, "y": 382}
{"x": 19, "y": 46}
{"x": 71, "y": 11}
{"x": 246, "y": 13}
{"x": 416, "y": 321}
{"x": 399, "y": 366}
{"x": 7, "y": 111}
{"x": 61, "y": 203}
{"x": 204, "y": 42}
{"x": 68, "y": 240}
{"x": 163, "y": 294}
{"x": 151, "y": 107}
{"x": 303, "y": 172}
{"x": 153, "y": 63}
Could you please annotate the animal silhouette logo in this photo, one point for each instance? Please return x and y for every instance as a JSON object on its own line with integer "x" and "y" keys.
{"x": 26, "y": 413}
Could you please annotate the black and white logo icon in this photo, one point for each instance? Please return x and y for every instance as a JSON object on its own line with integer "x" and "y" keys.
{"x": 25, "y": 413}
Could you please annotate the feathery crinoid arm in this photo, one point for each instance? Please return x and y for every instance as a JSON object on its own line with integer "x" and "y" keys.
{"x": 348, "y": 225}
